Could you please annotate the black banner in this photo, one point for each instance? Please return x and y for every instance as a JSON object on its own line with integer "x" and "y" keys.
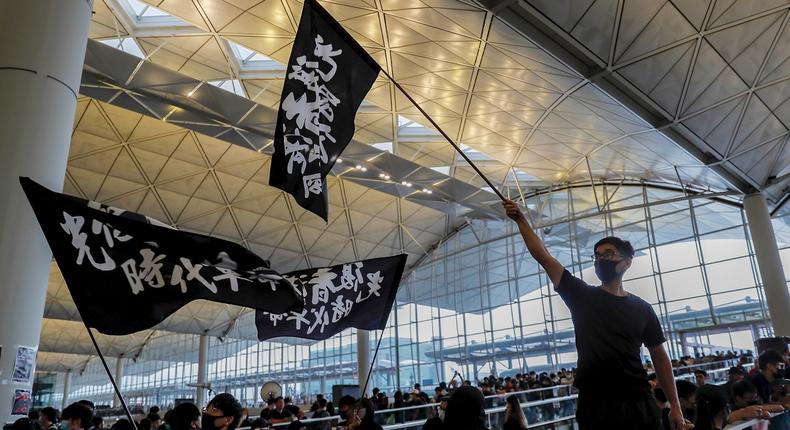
{"x": 358, "y": 294}
{"x": 127, "y": 272}
{"x": 329, "y": 75}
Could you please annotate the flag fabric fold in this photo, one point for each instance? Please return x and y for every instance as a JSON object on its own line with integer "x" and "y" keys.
{"x": 127, "y": 272}
{"x": 358, "y": 294}
{"x": 327, "y": 78}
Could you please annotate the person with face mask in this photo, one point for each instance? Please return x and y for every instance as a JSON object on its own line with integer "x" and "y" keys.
{"x": 771, "y": 367}
{"x": 222, "y": 413}
{"x": 77, "y": 416}
{"x": 610, "y": 325}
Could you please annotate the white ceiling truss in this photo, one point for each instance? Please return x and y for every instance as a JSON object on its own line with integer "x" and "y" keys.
{"x": 538, "y": 93}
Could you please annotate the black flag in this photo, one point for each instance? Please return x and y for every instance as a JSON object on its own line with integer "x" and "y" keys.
{"x": 126, "y": 273}
{"x": 328, "y": 76}
{"x": 358, "y": 294}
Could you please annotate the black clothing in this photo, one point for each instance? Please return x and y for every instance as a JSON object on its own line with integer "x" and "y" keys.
{"x": 293, "y": 409}
{"x": 433, "y": 424}
{"x": 274, "y": 414}
{"x": 610, "y": 331}
{"x": 595, "y": 411}
{"x": 764, "y": 389}
{"x": 511, "y": 424}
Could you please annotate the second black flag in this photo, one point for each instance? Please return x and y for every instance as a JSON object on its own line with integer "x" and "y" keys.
{"x": 327, "y": 78}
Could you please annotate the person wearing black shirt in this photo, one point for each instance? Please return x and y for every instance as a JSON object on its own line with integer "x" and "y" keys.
{"x": 610, "y": 326}
{"x": 279, "y": 414}
{"x": 770, "y": 369}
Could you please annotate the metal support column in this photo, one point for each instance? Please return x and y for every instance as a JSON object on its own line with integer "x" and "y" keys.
{"x": 767, "y": 253}
{"x": 116, "y": 401}
{"x": 66, "y": 388}
{"x": 41, "y": 59}
{"x": 363, "y": 359}
{"x": 202, "y": 376}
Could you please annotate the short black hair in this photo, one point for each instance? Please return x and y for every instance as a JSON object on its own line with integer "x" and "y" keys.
{"x": 623, "y": 246}
{"x": 122, "y": 424}
{"x": 740, "y": 388}
{"x": 23, "y": 424}
{"x": 767, "y": 357}
{"x": 78, "y": 411}
{"x": 685, "y": 388}
{"x": 33, "y": 414}
{"x": 50, "y": 413}
{"x": 153, "y": 416}
{"x": 701, "y": 372}
{"x": 87, "y": 403}
{"x": 279, "y": 398}
{"x": 229, "y": 406}
{"x": 735, "y": 370}
{"x": 347, "y": 401}
{"x": 181, "y": 416}
{"x": 97, "y": 421}
{"x": 322, "y": 403}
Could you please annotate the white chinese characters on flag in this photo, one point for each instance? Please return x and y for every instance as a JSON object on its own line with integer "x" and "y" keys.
{"x": 358, "y": 294}
{"x": 127, "y": 272}
{"x": 328, "y": 76}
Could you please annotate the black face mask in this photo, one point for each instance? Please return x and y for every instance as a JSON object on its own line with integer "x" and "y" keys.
{"x": 605, "y": 270}
{"x": 207, "y": 422}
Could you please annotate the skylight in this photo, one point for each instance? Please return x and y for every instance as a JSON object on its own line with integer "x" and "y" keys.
{"x": 232, "y": 85}
{"x": 404, "y": 122}
{"x": 473, "y": 154}
{"x": 444, "y": 170}
{"x": 249, "y": 59}
{"x": 146, "y": 15}
{"x": 384, "y": 146}
{"x": 126, "y": 44}
{"x": 145, "y": 10}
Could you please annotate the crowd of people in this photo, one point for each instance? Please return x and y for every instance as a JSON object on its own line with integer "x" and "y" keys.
{"x": 747, "y": 394}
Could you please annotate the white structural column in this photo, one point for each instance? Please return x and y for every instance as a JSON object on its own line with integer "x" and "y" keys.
{"x": 116, "y": 401}
{"x": 66, "y": 388}
{"x": 200, "y": 393}
{"x": 363, "y": 359}
{"x": 41, "y": 57}
{"x": 771, "y": 272}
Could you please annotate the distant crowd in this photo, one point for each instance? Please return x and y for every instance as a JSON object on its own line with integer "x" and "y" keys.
{"x": 461, "y": 404}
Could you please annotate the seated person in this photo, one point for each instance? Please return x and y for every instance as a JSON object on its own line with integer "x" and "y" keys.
{"x": 279, "y": 414}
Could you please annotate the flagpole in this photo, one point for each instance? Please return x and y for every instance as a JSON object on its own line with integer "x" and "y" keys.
{"x": 372, "y": 362}
{"x": 439, "y": 129}
{"x": 112, "y": 380}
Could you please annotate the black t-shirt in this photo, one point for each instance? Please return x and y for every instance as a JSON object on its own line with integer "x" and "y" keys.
{"x": 610, "y": 331}
{"x": 274, "y": 414}
{"x": 763, "y": 387}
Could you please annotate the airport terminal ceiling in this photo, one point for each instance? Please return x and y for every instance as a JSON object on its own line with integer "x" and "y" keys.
{"x": 672, "y": 93}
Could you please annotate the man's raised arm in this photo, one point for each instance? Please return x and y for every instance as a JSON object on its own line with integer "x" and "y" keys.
{"x": 535, "y": 246}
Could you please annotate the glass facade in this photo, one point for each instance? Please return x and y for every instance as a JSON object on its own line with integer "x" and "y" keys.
{"x": 478, "y": 304}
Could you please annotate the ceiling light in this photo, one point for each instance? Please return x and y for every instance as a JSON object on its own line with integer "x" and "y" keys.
{"x": 358, "y": 167}
{"x": 426, "y": 191}
{"x": 339, "y": 160}
{"x": 408, "y": 184}
{"x": 364, "y": 169}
